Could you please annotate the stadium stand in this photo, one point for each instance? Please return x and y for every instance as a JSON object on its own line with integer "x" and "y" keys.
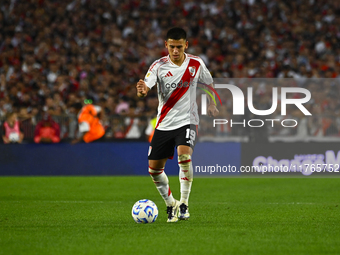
{"x": 55, "y": 53}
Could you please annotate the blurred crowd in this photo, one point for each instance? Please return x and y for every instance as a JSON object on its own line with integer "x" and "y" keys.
{"x": 56, "y": 53}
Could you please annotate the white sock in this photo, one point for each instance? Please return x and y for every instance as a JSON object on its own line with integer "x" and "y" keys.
{"x": 162, "y": 184}
{"x": 185, "y": 177}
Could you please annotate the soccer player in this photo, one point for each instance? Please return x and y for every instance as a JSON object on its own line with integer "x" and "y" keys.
{"x": 176, "y": 76}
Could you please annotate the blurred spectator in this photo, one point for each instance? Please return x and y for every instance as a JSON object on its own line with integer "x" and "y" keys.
{"x": 11, "y": 129}
{"x": 150, "y": 129}
{"x": 90, "y": 126}
{"x": 47, "y": 130}
{"x": 117, "y": 129}
{"x": 122, "y": 107}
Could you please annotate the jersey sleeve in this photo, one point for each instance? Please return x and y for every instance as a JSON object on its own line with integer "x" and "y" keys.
{"x": 205, "y": 76}
{"x": 150, "y": 78}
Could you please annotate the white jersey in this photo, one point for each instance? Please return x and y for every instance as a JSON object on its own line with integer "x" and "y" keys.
{"x": 177, "y": 90}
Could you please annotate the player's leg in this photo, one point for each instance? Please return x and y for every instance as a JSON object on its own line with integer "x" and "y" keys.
{"x": 156, "y": 171}
{"x": 185, "y": 142}
{"x": 185, "y": 178}
{"x": 161, "y": 148}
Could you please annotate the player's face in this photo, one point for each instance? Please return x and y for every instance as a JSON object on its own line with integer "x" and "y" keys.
{"x": 176, "y": 49}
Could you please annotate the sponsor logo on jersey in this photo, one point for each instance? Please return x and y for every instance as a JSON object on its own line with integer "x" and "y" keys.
{"x": 190, "y": 142}
{"x": 180, "y": 84}
{"x": 169, "y": 74}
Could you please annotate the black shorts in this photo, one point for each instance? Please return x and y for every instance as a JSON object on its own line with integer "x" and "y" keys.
{"x": 163, "y": 143}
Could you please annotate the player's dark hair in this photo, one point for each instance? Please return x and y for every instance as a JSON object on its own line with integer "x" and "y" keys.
{"x": 176, "y": 33}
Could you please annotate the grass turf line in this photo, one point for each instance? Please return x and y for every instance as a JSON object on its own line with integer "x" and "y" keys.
{"x": 92, "y": 215}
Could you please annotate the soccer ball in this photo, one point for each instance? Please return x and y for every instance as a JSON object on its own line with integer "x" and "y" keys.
{"x": 144, "y": 211}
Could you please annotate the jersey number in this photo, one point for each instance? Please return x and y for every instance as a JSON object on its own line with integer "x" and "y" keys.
{"x": 190, "y": 133}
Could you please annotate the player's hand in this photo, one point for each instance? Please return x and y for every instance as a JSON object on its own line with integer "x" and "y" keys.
{"x": 141, "y": 88}
{"x": 212, "y": 110}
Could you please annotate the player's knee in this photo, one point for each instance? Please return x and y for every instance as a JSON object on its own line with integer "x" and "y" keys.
{"x": 154, "y": 171}
{"x": 157, "y": 164}
{"x": 184, "y": 160}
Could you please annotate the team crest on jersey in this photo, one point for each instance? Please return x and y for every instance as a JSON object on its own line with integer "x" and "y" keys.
{"x": 192, "y": 70}
{"x": 148, "y": 74}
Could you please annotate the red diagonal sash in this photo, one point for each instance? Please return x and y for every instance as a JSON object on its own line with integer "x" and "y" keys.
{"x": 178, "y": 92}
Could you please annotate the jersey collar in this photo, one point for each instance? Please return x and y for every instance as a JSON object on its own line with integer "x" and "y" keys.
{"x": 185, "y": 59}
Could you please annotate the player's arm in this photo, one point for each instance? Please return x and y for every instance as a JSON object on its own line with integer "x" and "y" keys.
{"x": 212, "y": 109}
{"x": 150, "y": 80}
{"x": 142, "y": 89}
{"x": 206, "y": 78}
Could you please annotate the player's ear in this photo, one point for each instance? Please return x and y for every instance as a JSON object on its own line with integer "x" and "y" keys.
{"x": 166, "y": 44}
{"x": 186, "y": 44}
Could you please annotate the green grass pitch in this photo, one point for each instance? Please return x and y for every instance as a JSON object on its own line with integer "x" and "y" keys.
{"x": 92, "y": 215}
